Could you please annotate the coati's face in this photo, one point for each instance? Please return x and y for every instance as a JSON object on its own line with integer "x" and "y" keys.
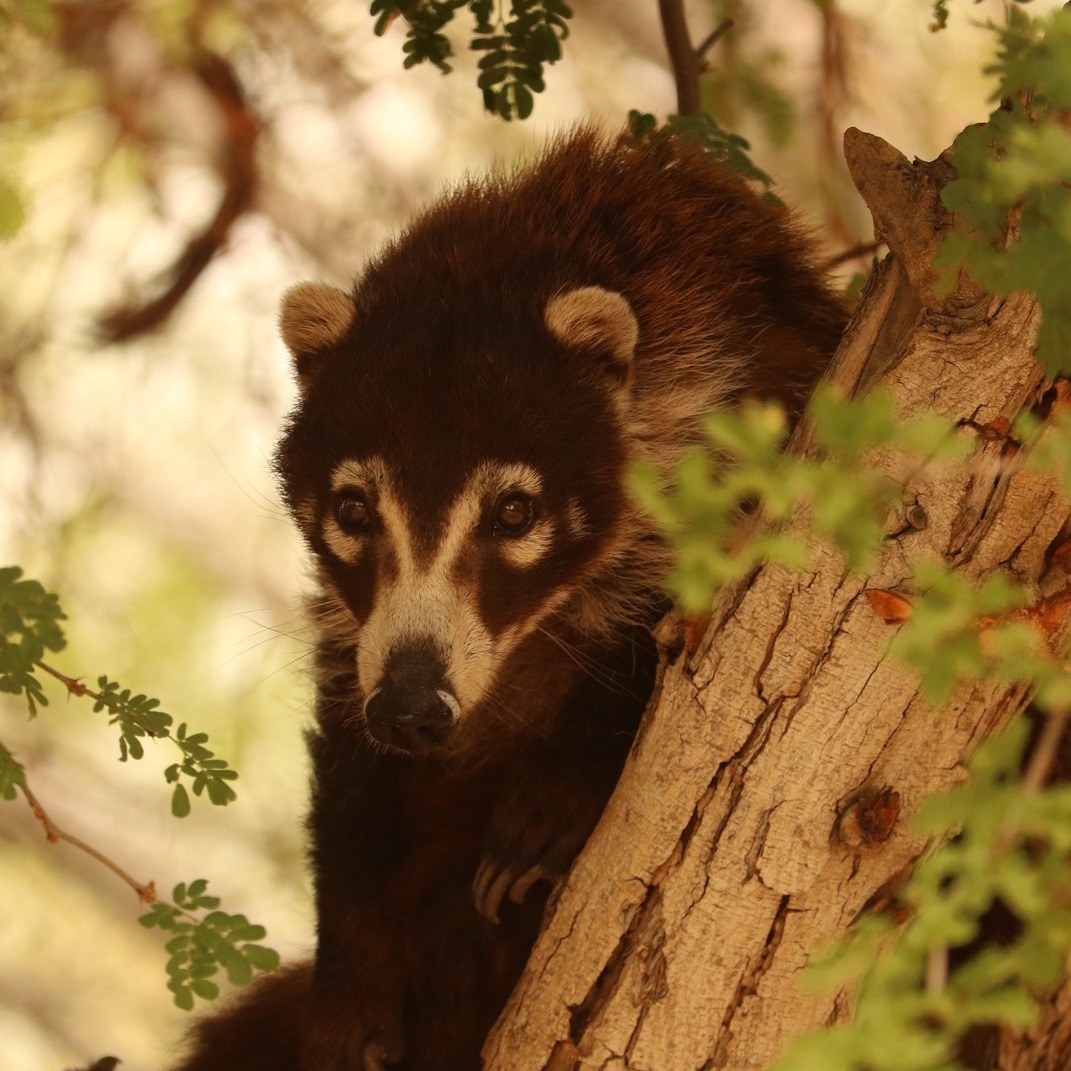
{"x": 458, "y": 486}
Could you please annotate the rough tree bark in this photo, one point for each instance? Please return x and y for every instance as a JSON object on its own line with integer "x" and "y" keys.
{"x": 770, "y": 793}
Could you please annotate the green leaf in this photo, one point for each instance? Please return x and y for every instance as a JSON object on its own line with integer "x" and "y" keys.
{"x": 12, "y": 774}
{"x": 205, "y": 989}
{"x": 29, "y": 626}
{"x": 261, "y": 958}
{"x": 180, "y": 802}
{"x": 183, "y": 997}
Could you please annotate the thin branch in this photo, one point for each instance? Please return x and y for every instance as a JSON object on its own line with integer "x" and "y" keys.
{"x": 1045, "y": 753}
{"x": 683, "y": 57}
{"x": 937, "y": 969}
{"x": 862, "y": 249}
{"x": 54, "y": 833}
{"x": 1042, "y": 759}
{"x": 712, "y": 39}
{"x": 72, "y": 684}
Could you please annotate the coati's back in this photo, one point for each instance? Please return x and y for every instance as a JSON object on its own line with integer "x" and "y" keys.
{"x": 722, "y": 283}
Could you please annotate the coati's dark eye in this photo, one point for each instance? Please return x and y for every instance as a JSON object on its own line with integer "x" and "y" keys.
{"x": 514, "y": 514}
{"x": 352, "y": 511}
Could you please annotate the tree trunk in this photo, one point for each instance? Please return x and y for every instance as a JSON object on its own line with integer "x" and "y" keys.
{"x": 770, "y": 794}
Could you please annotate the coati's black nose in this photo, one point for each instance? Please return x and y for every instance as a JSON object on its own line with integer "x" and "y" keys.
{"x": 411, "y": 717}
{"x": 411, "y": 710}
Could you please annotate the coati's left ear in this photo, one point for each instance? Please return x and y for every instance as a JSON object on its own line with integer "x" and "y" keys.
{"x": 591, "y": 317}
{"x": 313, "y": 315}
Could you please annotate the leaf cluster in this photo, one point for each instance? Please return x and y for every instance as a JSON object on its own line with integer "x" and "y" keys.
{"x": 29, "y": 626}
{"x": 742, "y": 469}
{"x": 1013, "y": 191}
{"x": 206, "y": 940}
{"x": 1014, "y": 848}
{"x": 138, "y": 717}
{"x": 515, "y": 47}
{"x": 960, "y": 631}
{"x": 702, "y": 130}
{"x": 12, "y": 774}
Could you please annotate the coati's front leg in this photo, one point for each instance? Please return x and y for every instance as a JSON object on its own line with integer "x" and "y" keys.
{"x": 356, "y": 1006}
{"x": 552, "y": 794}
{"x": 548, "y": 808}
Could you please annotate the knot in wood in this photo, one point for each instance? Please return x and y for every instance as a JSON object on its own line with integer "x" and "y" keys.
{"x": 870, "y": 819}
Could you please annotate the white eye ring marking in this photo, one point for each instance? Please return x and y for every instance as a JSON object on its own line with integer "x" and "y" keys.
{"x": 528, "y": 549}
{"x": 364, "y": 478}
{"x": 576, "y": 520}
{"x": 500, "y": 481}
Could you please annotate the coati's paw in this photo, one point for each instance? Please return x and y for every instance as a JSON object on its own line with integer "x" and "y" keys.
{"x": 353, "y": 1046}
{"x": 533, "y": 836}
{"x": 380, "y": 1054}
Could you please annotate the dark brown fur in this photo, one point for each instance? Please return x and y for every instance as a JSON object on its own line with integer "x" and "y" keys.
{"x": 446, "y": 360}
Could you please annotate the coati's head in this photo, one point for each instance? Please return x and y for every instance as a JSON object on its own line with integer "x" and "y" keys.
{"x": 459, "y": 481}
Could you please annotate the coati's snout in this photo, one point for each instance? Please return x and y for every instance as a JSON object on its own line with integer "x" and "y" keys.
{"x": 411, "y": 708}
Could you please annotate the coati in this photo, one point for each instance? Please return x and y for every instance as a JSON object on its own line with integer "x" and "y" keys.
{"x": 455, "y": 463}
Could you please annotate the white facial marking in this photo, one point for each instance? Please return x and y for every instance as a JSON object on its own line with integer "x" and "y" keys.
{"x": 366, "y": 476}
{"x": 427, "y": 599}
{"x": 522, "y": 551}
{"x": 576, "y": 520}
{"x": 495, "y": 478}
{"x": 428, "y": 602}
{"x": 528, "y": 549}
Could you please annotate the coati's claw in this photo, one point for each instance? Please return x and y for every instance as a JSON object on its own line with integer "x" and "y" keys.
{"x": 491, "y": 885}
{"x": 519, "y": 889}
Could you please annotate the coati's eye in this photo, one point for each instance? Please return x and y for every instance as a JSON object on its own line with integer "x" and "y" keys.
{"x": 514, "y": 514}
{"x": 352, "y": 511}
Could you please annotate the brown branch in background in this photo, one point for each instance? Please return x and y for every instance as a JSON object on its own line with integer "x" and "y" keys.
{"x": 237, "y": 170}
{"x": 1045, "y": 754}
{"x": 856, "y": 252}
{"x": 684, "y": 59}
{"x": 54, "y": 833}
{"x": 712, "y": 39}
{"x": 832, "y": 87}
{"x": 832, "y": 92}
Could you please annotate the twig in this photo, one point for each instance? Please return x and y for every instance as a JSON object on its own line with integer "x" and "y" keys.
{"x": 53, "y": 833}
{"x": 683, "y": 57}
{"x": 1037, "y": 772}
{"x": 1041, "y": 761}
{"x": 712, "y": 39}
{"x": 936, "y": 969}
{"x": 72, "y": 684}
{"x": 862, "y": 249}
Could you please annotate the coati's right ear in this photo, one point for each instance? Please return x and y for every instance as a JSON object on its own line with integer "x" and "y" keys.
{"x": 313, "y": 316}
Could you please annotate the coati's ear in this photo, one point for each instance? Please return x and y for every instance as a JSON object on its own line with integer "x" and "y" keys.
{"x": 313, "y": 315}
{"x": 591, "y": 317}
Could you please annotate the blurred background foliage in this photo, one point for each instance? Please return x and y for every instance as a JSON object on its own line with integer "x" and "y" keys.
{"x": 167, "y": 168}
